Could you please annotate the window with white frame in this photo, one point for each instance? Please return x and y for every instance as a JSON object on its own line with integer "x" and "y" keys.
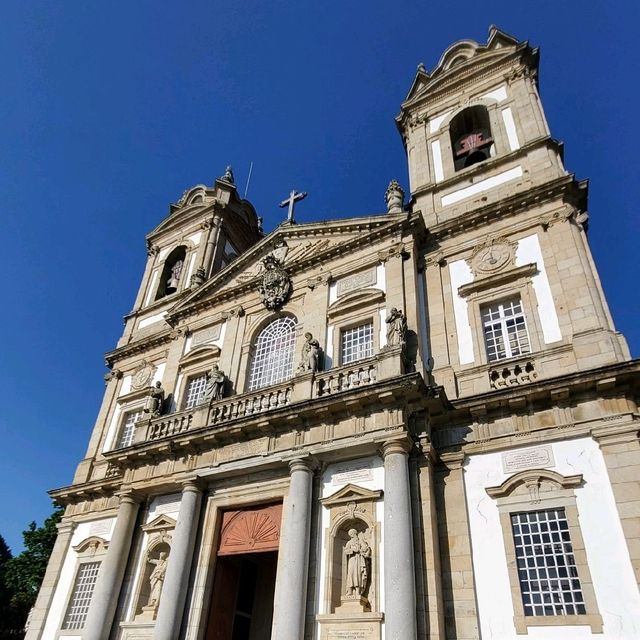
{"x": 81, "y": 596}
{"x": 505, "y": 329}
{"x": 195, "y": 389}
{"x": 128, "y": 428}
{"x": 274, "y": 354}
{"x": 356, "y": 343}
{"x": 547, "y": 569}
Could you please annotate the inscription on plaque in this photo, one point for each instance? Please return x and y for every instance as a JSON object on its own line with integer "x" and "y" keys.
{"x": 209, "y": 334}
{"x": 100, "y": 528}
{"x": 356, "y": 473}
{"x": 350, "y": 634}
{"x": 357, "y": 281}
{"x": 532, "y": 458}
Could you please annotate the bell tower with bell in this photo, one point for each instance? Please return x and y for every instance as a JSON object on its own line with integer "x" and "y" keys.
{"x": 512, "y": 292}
{"x": 207, "y": 228}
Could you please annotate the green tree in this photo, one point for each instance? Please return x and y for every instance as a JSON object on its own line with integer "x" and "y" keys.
{"x": 23, "y": 574}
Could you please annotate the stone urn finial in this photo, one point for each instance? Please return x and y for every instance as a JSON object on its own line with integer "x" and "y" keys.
{"x": 394, "y": 196}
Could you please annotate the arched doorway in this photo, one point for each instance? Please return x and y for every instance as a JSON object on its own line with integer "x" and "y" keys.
{"x": 245, "y": 574}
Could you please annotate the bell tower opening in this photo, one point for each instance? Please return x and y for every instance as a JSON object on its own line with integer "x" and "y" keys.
{"x": 172, "y": 272}
{"x": 471, "y": 138}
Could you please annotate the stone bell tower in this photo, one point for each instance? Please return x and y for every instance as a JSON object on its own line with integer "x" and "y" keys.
{"x": 511, "y": 289}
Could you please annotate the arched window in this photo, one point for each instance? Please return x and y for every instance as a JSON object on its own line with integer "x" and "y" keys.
{"x": 173, "y": 272}
{"x": 274, "y": 354}
{"x": 471, "y": 139}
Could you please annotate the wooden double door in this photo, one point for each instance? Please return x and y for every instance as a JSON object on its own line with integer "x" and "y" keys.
{"x": 245, "y": 575}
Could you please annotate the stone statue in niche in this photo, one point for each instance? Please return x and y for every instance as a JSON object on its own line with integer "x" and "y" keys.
{"x": 156, "y": 578}
{"x": 396, "y": 328}
{"x": 310, "y": 355}
{"x": 155, "y": 400}
{"x": 358, "y": 558}
{"x": 214, "y": 388}
{"x": 174, "y": 278}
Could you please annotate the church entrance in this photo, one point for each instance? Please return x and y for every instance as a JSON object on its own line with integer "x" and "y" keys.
{"x": 245, "y": 575}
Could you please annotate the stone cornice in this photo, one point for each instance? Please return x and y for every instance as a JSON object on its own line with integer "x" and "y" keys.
{"x": 564, "y": 187}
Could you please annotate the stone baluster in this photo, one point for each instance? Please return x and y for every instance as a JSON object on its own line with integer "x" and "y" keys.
{"x": 399, "y": 570}
{"x": 293, "y": 563}
{"x": 107, "y": 590}
{"x": 174, "y": 590}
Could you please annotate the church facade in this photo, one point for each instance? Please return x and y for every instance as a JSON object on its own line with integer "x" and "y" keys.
{"x": 419, "y": 424}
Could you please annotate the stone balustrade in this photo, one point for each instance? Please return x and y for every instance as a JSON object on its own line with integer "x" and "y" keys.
{"x": 346, "y": 378}
{"x": 299, "y": 389}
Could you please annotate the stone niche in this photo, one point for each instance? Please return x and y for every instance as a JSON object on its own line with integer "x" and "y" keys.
{"x": 352, "y": 560}
{"x": 151, "y": 579}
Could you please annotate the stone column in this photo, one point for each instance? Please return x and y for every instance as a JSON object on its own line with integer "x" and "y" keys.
{"x": 38, "y": 616}
{"x": 174, "y": 590}
{"x": 293, "y": 564}
{"x": 109, "y": 582}
{"x": 399, "y": 569}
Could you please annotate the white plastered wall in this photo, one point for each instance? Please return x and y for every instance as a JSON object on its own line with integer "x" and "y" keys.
{"x": 102, "y": 528}
{"x": 611, "y": 571}
{"x": 528, "y": 252}
{"x": 460, "y": 273}
{"x": 368, "y": 473}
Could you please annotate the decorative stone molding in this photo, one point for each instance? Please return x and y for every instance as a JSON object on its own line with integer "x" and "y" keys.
{"x": 498, "y": 279}
{"x": 320, "y": 279}
{"x": 394, "y": 197}
{"x": 114, "y": 374}
{"x": 513, "y": 375}
{"x": 91, "y": 546}
{"x": 532, "y": 482}
{"x": 152, "y": 249}
{"x": 142, "y": 375}
{"x": 491, "y": 256}
{"x": 398, "y": 250}
{"x": 251, "y": 530}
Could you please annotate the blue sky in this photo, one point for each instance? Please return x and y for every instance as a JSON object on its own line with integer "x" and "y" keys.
{"x": 110, "y": 110}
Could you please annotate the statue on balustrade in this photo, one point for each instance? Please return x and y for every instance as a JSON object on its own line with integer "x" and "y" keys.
{"x": 311, "y": 354}
{"x": 155, "y": 400}
{"x": 396, "y": 328}
{"x": 358, "y": 557}
{"x": 215, "y": 386}
{"x": 156, "y": 579}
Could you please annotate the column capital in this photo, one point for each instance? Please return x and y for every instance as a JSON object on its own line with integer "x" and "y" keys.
{"x": 65, "y": 527}
{"x": 129, "y": 496}
{"x": 396, "y": 445}
{"x": 193, "y": 485}
{"x": 306, "y": 463}
{"x": 616, "y": 434}
{"x": 453, "y": 460}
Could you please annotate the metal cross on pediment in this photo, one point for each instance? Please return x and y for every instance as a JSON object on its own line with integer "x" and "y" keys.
{"x": 290, "y": 202}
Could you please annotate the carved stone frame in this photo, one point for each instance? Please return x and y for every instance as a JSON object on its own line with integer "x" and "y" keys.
{"x": 349, "y": 504}
{"x": 159, "y": 533}
{"x": 536, "y": 490}
{"x": 91, "y": 549}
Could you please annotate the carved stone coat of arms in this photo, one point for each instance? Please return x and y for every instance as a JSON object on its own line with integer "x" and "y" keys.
{"x": 276, "y": 284}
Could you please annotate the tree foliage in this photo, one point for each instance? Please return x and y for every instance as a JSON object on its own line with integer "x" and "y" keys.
{"x": 21, "y": 576}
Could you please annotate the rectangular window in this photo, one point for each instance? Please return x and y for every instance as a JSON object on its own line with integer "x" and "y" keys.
{"x": 195, "y": 389}
{"x": 547, "y": 570}
{"x": 129, "y": 428}
{"x": 505, "y": 330}
{"x": 357, "y": 343}
{"x": 81, "y": 596}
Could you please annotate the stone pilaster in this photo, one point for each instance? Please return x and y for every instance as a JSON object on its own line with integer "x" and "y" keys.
{"x": 109, "y": 582}
{"x": 459, "y": 594}
{"x": 621, "y": 451}
{"x": 399, "y": 568}
{"x": 50, "y": 582}
{"x": 430, "y": 608}
{"x": 174, "y": 590}
{"x": 293, "y": 563}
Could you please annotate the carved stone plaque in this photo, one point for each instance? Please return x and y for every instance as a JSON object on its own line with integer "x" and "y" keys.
{"x": 208, "y": 334}
{"x": 101, "y": 527}
{"x": 533, "y": 458}
{"x": 356, "y": 473}
{"x": 357, "y": 281}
